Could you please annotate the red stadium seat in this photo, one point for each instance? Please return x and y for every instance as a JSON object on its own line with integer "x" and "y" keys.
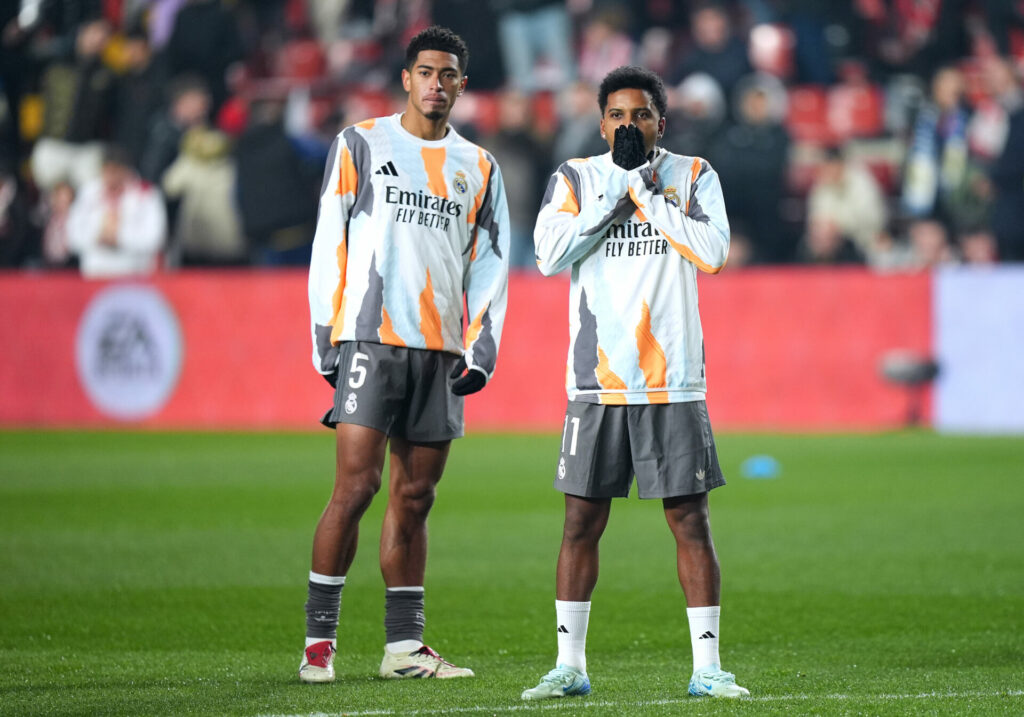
{"x": 807, "y": 118}
{"x": 301, "y": 60}
{"x": 855, "y": 111}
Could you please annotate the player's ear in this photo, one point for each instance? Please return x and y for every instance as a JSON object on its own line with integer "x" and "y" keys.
{"x": 462, "y": 84}
{"x": 406, "y": 80}
{"x": 661, "y": 127}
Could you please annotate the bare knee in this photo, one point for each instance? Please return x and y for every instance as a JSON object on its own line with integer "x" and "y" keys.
{"x": 689, "y": 520}
{"x": 354, "y": 490}
{"x": 412, "y": 498}
{"x": 585, "y": 521}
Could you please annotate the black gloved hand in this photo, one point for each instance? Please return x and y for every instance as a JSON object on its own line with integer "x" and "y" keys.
{"x": 331, "y": 378}
{"x": 628, "y": 150}
{"x": 471, "y": 382}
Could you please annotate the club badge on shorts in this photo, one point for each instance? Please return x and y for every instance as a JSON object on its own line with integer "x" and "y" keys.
{"x": 350, "y": 404}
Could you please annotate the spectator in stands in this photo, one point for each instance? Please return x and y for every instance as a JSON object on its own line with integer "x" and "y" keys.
{"x": 750, "y": 157}
{"x": 578, "y": 117}
{"x": 913, "y": 37}
{"x": 716, "y": 50}
{"x": 523, "y": 160}
{"x": 929, "y": 244}
{"x": 56, "y": 210}
{"x": 697, "y": 112}
{"x": 937, "y": 165}
{"x": 825, "y": 243}
{"x": 207, "y": 230}
{"x": 1007, "y": 178}
{"x": 188, "y": 107}
{"x": 140, "y": 94}
{"x": 18, "y": 239}
{"x": 78, "y": 94}
{"x": 978, "y": 247}
{"x": 847, "y": 194}
{"x": 117, "y": 223}
{"x": 276, "y": 190}
{"x": 205, "y": 41}
{"x": 605, "y": 44}
{"x": 534, "y": 30}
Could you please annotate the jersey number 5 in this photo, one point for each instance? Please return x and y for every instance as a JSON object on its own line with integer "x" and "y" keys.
{"x": 357, "y": 373}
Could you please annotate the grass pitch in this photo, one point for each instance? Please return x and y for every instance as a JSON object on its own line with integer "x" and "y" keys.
{"x": 151, "y": 574}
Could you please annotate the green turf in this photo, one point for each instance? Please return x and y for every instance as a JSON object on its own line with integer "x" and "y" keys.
{"x": 147, "y": 574}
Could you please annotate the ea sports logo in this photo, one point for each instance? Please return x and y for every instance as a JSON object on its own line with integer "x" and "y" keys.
{"x": 128, "y": 351}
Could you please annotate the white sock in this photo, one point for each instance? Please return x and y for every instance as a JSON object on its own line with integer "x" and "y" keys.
{"x": 572, "y": 619}
{"x": 704, "y": 635}
{"x": 403, "y": 646}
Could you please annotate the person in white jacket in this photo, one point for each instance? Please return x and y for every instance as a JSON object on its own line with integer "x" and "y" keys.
{"x": 634, "y": 226}
{"x": 118, "y": 223}
{"x": 412, "y": 237}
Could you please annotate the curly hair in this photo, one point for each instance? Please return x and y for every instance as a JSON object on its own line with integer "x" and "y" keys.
{"x": 438, "y": 38}
{"x": 632, "y": 77}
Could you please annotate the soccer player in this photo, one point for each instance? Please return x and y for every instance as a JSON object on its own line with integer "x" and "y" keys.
{"x": 412, "y": 219}
{"x": 634, "y": 226}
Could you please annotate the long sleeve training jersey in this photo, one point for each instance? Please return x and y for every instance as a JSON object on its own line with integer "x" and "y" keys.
{"x": 634, "y": 242}
{"x": 406, "y": 228}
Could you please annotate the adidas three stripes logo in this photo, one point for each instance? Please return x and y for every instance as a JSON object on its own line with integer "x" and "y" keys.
{"x": 707, "y": 635}
{"x": 388, "y": 169}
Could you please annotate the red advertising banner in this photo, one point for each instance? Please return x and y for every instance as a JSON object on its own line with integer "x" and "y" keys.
{"x": 787, "y": 349}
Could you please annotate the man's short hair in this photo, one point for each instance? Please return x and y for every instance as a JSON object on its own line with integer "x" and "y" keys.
{"x": 118, "y": 155}
{"x": 437, "y": 38}
{"x": 633, "y": 78}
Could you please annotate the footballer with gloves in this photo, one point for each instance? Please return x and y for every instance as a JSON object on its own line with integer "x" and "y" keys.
{"x": 635, "y": 225}
{"x": 412, "y": 220}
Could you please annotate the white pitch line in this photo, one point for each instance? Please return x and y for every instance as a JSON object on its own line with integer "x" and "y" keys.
{"x": 590, "y": 704}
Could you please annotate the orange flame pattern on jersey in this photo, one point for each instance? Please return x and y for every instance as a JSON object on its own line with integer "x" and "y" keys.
{"x": 348, "y": 182}
{"x": 608, "y": 379}
{"x": 433, "y": 162}
{"x": 571, "y": 204}
{"x": 337, "y": 321}
{"x": 386, "y": 331}
{"x": 652, "y": 356}
{"x": 430, "y": 317}
{"x": 476, "y": 326}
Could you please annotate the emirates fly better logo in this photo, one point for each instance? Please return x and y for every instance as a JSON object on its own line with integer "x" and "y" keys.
{"x": 128, "y": 351}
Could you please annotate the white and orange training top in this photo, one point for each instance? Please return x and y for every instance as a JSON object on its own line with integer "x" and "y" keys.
{"x": 634, "y": 241}
{"x": 406, "y": 227}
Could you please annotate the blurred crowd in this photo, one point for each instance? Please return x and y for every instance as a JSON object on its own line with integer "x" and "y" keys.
{"x": 142, "y": 135}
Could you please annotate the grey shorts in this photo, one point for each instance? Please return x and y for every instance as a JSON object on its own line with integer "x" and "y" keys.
{"x": 398, "y": 391}
{"x": 668, "y": 447}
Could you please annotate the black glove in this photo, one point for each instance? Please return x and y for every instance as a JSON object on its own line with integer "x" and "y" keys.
{"x": 473, "y": 381}
{"x": 628, "y": 151}
{"x": 331, "y": 378}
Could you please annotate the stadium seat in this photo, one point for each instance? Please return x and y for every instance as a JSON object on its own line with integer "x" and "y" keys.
{"x": 301, "y": 60}
{"x": 855, "y": 111}
{"x": 807, "y": 118}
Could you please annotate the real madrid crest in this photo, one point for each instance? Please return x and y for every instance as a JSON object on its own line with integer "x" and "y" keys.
{"x": 671, "y": 195}
{"x": 461, "y": 185}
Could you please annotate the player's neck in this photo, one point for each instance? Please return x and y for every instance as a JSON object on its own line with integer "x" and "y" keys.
{"x": 423, "y": 127}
